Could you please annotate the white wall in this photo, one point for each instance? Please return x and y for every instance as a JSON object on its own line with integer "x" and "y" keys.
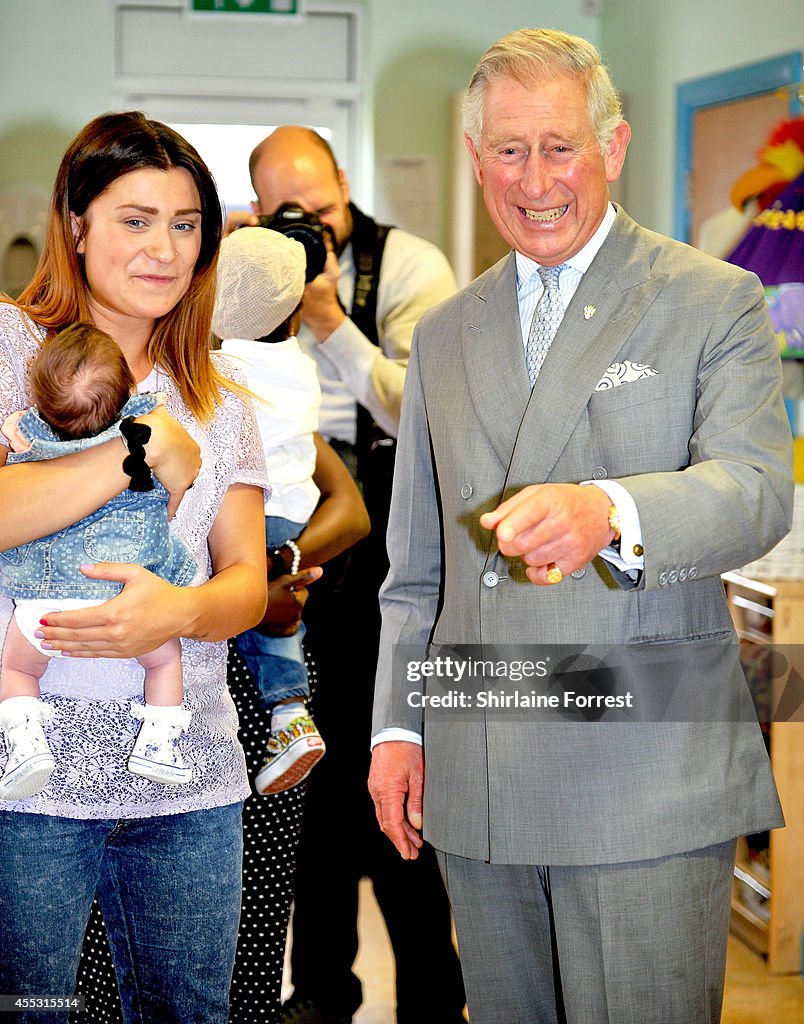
{"x": 56, "y": 66}
{"x": 650, "y": 46}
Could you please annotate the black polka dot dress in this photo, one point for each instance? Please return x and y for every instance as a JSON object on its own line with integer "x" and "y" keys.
{"x": 271, "y": 827}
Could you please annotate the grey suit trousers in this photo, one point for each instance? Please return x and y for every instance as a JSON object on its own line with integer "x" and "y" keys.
{"x": 634, "y": 943}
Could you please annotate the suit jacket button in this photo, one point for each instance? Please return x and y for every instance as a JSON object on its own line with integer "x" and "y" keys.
{"x": 466, "y": 491}
{"x": 672, "y": 576}
{"x": 682, "y": 575}
{"x": 490, "y": 579}
{"x": 599, "y": 473}
{"x": 578, "y": 574}
{"x": 692, "y": 573}
{"x": 662, "y": 579}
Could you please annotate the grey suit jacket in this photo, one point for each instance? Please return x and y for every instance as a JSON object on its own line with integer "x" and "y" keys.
{"x": 705, "y": 450}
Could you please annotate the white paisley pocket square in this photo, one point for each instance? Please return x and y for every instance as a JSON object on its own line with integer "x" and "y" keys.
{"x": 625, "y": 372}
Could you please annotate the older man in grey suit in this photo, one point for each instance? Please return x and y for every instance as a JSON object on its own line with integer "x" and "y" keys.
{"x": 581, "y": 487}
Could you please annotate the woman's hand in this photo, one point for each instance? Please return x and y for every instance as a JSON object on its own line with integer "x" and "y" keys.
{"x": 149, "y": 611}
{"x": 287, "y": 596}
{"x": 172, "y": 454}
{"x": 143, "y": 616}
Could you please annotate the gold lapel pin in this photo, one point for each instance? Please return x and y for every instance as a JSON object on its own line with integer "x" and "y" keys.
{"x": 589, "y": 312}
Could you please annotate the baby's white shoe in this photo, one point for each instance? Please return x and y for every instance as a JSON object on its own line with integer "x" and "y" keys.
{"x": 30, "y": 761}
{"x": 156, "y": 755}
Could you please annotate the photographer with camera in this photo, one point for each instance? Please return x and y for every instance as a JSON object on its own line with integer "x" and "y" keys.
{"x": 358, "y": 317}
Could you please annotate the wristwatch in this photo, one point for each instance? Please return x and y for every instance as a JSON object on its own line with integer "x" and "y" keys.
{"x": 614, "y": 524}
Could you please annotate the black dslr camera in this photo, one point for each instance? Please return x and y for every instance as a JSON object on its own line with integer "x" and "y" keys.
{"x": 307, "y": 228}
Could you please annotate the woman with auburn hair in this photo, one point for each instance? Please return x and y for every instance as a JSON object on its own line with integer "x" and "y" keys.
{"x": 131, "y": 246}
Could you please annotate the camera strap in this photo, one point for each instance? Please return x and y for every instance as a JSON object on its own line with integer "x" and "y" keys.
{"x": 374, "y": 449}
{"x": 368, "y": 242}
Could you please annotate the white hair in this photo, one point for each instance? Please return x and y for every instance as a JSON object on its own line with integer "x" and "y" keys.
{"x": 530, "y": 54}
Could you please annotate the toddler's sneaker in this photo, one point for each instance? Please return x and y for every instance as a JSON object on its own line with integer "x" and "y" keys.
{"x": 156, "y": 755}
{"x": 30, "y": 760}
{"x": 292, "y": 752}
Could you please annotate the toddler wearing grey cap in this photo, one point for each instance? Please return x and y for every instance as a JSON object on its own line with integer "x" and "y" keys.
{"x": 261, "y": 277}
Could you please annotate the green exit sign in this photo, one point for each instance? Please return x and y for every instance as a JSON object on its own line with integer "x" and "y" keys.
{"x": 292, "y": 8}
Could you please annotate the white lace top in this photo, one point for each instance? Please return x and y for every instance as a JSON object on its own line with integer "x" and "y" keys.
{"x": 92, "y": 732}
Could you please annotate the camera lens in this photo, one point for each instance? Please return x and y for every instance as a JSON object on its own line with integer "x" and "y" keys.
{"x": 296, "y": 223}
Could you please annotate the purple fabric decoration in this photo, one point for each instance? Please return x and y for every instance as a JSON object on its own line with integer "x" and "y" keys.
{"x": 773, "y": 247}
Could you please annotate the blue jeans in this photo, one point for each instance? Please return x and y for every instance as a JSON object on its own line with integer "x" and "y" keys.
{"x": 168, "y": 887}
{"x": 277, "y": 662}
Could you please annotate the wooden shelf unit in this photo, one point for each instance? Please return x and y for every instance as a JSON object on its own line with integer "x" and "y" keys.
{"x": 768, "y": 899}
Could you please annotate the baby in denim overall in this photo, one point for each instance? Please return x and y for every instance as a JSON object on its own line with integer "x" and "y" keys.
{"x": 261, "y": 279}
{"x": 85, "y": 394}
